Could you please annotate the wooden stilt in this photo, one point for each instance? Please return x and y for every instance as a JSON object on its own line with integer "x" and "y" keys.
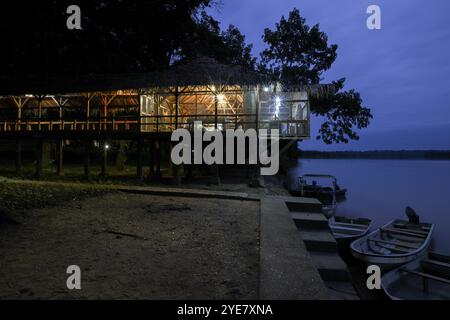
{"x": 256, "y": 180}
{"x": 87, "y": 159}
{"x": 176, "y": 180}
{"x": 158, "y": 159}
{"x": 59, "y": 157}
{"x": 39, "y": 153}
{"x": 104, "y": 160}
{"x": 215, "y": 177}
{"x": 151, "y": 158}
{"x": 176, "y": 175}
{"x": 139, "y": 171}
{"x": 19, "y": 157}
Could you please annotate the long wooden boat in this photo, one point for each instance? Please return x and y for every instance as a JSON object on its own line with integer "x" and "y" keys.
{"x": 315, "y": 190}
{"x": 327, "y": 195}
{"x": 394, "y": 244}
{"x": 346, "y": 230}
{"x": 427, "y": 278}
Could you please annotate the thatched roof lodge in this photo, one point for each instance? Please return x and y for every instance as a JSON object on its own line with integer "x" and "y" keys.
{"x": 220, "y": 96}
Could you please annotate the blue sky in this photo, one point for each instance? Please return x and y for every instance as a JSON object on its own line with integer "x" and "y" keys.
{"x": 402, "y": 71}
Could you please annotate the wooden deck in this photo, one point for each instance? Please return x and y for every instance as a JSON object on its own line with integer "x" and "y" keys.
{"x": 147, "y": 125}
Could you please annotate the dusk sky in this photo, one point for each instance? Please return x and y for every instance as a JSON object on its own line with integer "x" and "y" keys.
{"x": 402, "y": 71}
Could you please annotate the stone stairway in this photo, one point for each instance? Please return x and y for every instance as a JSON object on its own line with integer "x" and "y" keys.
{"x": 320, "y": 243}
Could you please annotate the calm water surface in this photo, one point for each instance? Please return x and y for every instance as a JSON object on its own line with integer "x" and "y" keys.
{"x": 381, "y": 189}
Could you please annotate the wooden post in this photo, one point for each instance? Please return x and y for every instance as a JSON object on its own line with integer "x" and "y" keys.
{"x": 87, "y": 159}
{"x": 176, "y": 175}
{"x": 216, "y": 104}
{"x": 61, "y": 127}
{"x": 158, "y": 159}
{"x": 59, "y": 157}
{"x": 105, "y": 111}
{"x": 176, "y": 180}
{"x": 19, "y": 157}
{"x": 139, "y": 172}
{"x": 20, "y": 103}
{"x": 88, "y": 110}
{"x": 177, "y": 106}
{"x": 39, "y": 99}
{"x": 258, "y": 105}
{"x": 104, "y": 159}
{"x": 19, "y": 114}
{"x": 151, "y": 158}
{"x": 215, "y": 178}
{"x": 106, "y": 103}
{"x": 39, "y": 153}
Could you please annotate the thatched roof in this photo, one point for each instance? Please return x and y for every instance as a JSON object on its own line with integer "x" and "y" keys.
{"x": 201, "y": 71}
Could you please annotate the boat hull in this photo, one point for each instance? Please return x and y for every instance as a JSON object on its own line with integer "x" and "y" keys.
{"x": 388, "y": 247}
{"x": 388, "y": 263}
{"x": 400, "y": 285}
{"x": 346, "y": 230}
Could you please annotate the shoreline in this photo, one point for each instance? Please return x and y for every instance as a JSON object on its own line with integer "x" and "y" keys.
{"x": 108, "y": 231}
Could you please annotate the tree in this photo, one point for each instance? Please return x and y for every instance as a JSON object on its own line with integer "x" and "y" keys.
{"x": 228, "y": 47}
{"x": 117, "y": 36}
{"x": 238, "y": 52}
{"x": 343, "y": 111}
{"x": 299, "y": 54}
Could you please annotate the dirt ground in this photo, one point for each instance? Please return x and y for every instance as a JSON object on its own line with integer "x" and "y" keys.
{"x": 133, "y": 247}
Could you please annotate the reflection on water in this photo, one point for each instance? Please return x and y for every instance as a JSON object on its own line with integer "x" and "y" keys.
{"x": 381, "y": 189}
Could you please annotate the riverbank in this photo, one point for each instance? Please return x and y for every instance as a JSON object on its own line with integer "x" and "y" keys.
{"x": 156, "y": 243}
{"x": 131, "y": 246}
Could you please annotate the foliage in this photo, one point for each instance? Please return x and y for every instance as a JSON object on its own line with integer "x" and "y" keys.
{"x": 298, "y": 54}
{"x": 139, "y": 36}
{"x": 117, "y": 36}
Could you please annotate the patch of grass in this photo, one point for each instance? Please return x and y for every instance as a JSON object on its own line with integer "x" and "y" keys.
{"x": 17, "y": 196}
{"x": 73, "y": 173}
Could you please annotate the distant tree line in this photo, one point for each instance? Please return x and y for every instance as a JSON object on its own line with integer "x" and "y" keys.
{"x": 380, "y": 154}
{"x": 130, "y": 36}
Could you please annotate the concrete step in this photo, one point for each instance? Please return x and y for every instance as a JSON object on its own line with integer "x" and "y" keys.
{"x": 300, "y": 204}
{"x": 330, "y": 266}
{"x": 320, "y": 240}
{"x": 342, "y": 290}
{"x": 310, "y": 220}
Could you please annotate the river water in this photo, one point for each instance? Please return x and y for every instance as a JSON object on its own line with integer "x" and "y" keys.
{"x": 381, "y": 189}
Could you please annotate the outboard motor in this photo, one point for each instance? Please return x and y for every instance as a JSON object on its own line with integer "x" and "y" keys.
{"x": 413, "y": 217}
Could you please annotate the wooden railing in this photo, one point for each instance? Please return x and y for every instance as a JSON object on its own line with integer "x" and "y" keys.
{"x": 162, "y": 123}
